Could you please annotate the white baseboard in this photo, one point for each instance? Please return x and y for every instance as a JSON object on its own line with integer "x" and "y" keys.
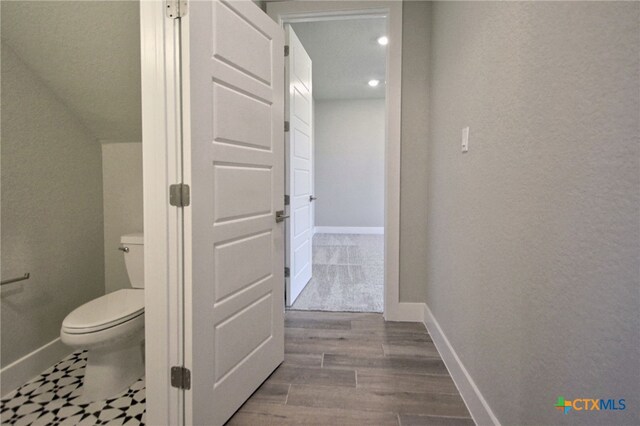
{"x": 477, "y": 405}
{"x": 29, "y": 366}
{"x": 411, "y": 312}
{"x": 378, "y": 230}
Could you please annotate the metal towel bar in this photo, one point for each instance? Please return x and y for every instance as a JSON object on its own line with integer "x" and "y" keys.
{"x": 15, "y": 280}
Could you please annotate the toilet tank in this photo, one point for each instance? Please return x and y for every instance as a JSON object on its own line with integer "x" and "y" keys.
{"x": 133, "y": 249}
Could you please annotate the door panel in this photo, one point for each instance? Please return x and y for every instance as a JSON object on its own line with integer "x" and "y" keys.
{"x": 240, "y": 120}
{"x": 233, "y": 86}
{"x": 241, "y": 190}
{"x": 299, "y": 165}
{"x": 301, "y": 145}
{"x": 302, "y": 257}
{"x": 240, "y": 43}
{"x": 229, "y": 278}
{"x": 301, "y": 221}
{"x": 301, "y": 182}
{"x": 230, "y": 350}
{"x": 301, "y": 104}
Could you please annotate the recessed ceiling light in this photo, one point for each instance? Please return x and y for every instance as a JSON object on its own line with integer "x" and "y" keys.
{"x": 374, "y": 83}
{"x": 384, "y": 40}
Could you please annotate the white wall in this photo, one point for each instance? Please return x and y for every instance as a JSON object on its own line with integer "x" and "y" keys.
{"x": 122, "y": 189}
{"x": 349, "y": 162}
{"x": 51, "y": 211}
{"x": 534, "y": 234}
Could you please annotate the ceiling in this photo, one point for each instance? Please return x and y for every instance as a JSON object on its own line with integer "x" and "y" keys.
{"x": 345, "y": 55}
{"x": 88, "y": 54}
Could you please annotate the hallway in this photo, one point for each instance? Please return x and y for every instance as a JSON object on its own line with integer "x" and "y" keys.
{"x": 355, "y": 369}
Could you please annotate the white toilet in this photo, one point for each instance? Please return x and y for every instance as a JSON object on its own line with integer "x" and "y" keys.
{"x": 111, "y": 329}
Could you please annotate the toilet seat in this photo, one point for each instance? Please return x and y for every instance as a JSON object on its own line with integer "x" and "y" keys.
{"x": 105, "y": 312}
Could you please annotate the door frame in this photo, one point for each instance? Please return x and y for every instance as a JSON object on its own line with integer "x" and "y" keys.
{"x": 163, "y": 229}
{"x": 287, "y": 12}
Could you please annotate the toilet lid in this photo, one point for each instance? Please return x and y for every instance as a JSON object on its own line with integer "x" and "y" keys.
{"x": 105, "y": 311}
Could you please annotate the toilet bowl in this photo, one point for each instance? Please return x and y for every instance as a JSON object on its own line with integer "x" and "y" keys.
{"x": 111, "y": 330}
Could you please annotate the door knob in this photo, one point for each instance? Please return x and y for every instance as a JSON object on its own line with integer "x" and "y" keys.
{"x": 311, "y": 198}
{"x": 280, "y": 216}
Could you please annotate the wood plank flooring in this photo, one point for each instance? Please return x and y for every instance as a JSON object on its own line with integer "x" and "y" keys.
{"x": 355, "y": 369}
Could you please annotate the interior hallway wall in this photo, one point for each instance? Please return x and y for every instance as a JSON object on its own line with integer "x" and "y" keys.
{"x": 534, "y": 236}
{"x": 416, "y": 26}
{"x": 51, "y": 211}
{"x": 349, "y": 162}
{"x": 122, "y": 189}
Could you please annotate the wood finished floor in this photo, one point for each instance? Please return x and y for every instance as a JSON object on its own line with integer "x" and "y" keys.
{"x": 355, "y": 369}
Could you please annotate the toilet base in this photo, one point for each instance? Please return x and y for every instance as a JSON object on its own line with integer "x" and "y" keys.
{"x": 113, "y": 368}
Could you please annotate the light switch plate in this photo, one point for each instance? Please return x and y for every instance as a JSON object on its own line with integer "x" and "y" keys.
{"x": 465, "y": 139}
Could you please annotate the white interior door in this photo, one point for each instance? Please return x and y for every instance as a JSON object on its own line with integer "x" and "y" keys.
{"x": 233, "y": 109}
{"x": 299, "y": 153}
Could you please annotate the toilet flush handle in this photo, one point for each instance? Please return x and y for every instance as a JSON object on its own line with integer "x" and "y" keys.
{"x": 124, "y": 249}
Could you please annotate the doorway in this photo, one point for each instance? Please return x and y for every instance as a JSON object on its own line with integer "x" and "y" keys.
{"x": 342, "y": 163}
{"x": 245, "y": 66}
{"x": 291, "y": 12}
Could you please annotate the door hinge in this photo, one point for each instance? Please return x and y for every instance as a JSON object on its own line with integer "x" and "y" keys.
{"x": 286, "y": 200}
{"x": 286, "y": 126}
{"x": 179, "y": 195}
{"x": 286, "y": 51}
{"x": 287, "y": 272}
{"x": 175, "y": 8}
{"x": 180, "y": 377}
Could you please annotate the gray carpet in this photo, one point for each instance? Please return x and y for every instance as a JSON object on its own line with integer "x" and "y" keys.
{"x": 348, "y": 274}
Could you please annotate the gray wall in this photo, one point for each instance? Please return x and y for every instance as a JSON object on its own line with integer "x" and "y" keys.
{"x": 88, "y": 54}
{"x": 122, "y": 189}
{"x": 413, "y": 173}
{"x": 534, "y": 234}
{"x": 349, "y": 162}
{"x": 51, "y": 212}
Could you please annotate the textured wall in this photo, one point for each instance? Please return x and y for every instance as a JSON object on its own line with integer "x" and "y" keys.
{"x": 88, "y": 54}
{"x": 349, "y": 162}
{"x": 413, "y": 174}
{"x": 122, "y": 189}
{"x": 51, "y": 212}
{"x": 534, "y": 235}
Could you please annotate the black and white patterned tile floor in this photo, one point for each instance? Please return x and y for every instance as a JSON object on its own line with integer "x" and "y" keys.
{"x": 52, "y": 399}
